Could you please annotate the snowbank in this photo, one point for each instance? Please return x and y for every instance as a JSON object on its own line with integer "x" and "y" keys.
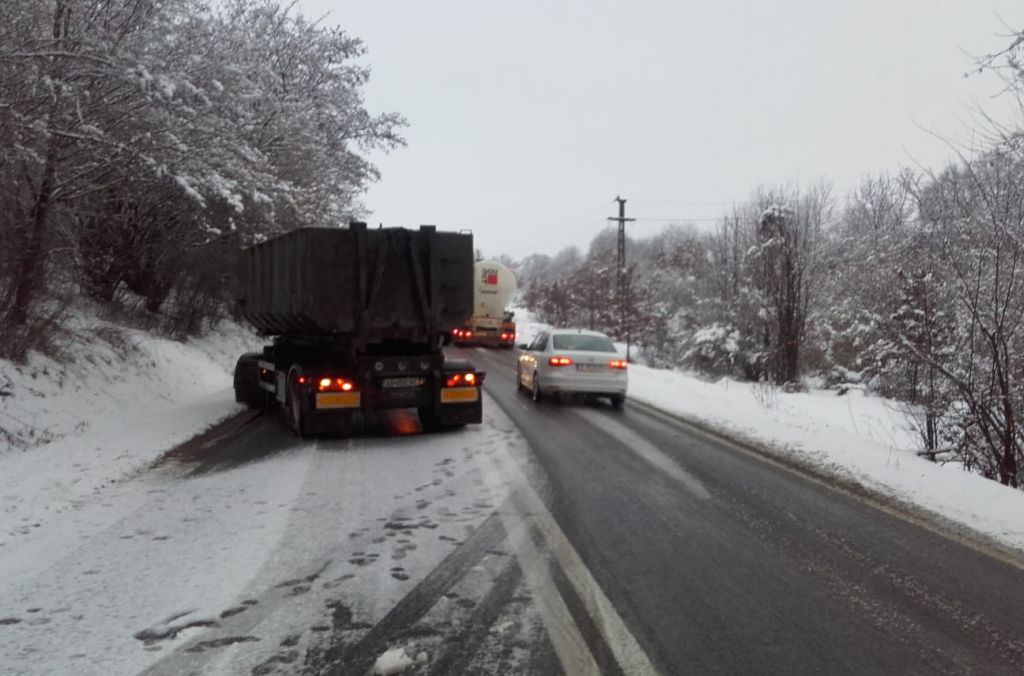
{"x": 121, "y": 399}
{"x": 856, "y": 437}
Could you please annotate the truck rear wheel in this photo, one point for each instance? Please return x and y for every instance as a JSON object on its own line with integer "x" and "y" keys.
{"x": 294, "y": 409}
{"x": 247, "y": 382}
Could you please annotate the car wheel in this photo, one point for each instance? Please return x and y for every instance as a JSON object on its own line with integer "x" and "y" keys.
{"x": 535, "y": 392}
{"x": 618, "y": 401}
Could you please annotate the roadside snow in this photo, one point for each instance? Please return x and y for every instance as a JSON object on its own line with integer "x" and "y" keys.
{"x": 110, "y": 371}
{"x": 855, "y": 437}
{"x": 393, "y": 661}
{"x": 125, "y": 397}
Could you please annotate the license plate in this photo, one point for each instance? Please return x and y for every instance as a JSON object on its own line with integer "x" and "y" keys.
{"x": 338, "y": 400}
{"x": 459, "y": 395}
{"x": 390, "y": 383}
{"x": 590, "y": 368}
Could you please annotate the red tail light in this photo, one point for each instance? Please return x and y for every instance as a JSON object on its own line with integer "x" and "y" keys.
{"x": 618, "y": 363}
{"x": 327, "y": 384}
{"x": 560, "y": 361}
{"x": 469, "y": 379}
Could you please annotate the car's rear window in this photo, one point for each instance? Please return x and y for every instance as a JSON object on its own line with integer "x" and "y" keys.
{"x": 583, "y": 343}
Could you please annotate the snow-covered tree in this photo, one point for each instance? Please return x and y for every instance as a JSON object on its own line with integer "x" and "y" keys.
{"x": 138, "y": 134}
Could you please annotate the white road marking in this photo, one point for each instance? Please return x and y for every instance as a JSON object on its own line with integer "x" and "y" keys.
{"x": 571, "y": 648}
{"x": 646, "y": 450}
{"x": 530, "y": 508}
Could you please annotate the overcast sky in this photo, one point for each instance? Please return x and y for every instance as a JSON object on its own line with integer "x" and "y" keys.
{"x": 527, "y": 118}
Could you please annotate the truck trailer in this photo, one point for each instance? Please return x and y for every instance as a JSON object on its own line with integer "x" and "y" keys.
{"x": 358, "y": 318}
{"x": 492, "y": 322}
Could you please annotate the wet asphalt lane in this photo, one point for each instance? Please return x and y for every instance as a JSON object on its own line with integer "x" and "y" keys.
{"x": 734, "y": 565}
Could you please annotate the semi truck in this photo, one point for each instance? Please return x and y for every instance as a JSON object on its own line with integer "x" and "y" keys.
{"x": 358, "y": 318}
{"x": 492, "y": 322}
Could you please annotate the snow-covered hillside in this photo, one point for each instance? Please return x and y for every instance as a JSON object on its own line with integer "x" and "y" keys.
{"x": 108, "y": 369}
{"x": 121, "y": 399}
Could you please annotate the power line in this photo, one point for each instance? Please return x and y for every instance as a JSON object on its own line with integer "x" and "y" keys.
{"x": 680, "y": 219}
{"x": 696, "y": 203}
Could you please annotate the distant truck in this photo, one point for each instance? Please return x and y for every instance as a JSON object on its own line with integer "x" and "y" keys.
{"x": 358, "y": 319}
{"x": 491, "y": 324}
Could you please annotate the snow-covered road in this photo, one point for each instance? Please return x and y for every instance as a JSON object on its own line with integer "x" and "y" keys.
{"x": 260, "y": 549}
{"x": 553, "y": 538}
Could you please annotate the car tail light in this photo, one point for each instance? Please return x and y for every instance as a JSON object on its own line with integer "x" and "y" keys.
{"x": 618, "y": 363}
{"x": 468, "y": 379}
{"x": 560, "y": 361}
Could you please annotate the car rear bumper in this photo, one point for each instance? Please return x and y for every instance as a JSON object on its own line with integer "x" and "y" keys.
{"x": 611, "y": 384}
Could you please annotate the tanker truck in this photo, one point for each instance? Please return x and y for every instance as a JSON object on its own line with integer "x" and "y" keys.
{"x": 491, "y": 324}
{"x": 357, "y": 319}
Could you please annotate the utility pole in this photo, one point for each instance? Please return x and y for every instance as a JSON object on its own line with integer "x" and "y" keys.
{"x": 621, "y": 266}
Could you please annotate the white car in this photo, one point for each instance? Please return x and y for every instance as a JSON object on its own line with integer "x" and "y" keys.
{"x": 572, "y": 361}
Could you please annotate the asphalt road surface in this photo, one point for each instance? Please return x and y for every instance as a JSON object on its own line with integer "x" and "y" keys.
{"x": 554, "y": 538}
{"x": 720, "y": 562}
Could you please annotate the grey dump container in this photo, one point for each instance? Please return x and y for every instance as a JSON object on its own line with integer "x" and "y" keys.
{"x": 374, "y": 285}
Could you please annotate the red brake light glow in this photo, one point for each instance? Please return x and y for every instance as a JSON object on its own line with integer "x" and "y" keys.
{"x": 560, "y": 361}
{"x": 328, "y": 384}
{"x": 618, "y": 363}
{"x": 462, "y": 380}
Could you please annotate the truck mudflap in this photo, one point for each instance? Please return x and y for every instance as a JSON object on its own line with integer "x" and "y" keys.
{"x": 456, "y": 415}
{"x": 461, "y": 405}
{"x": 459, "y": 400}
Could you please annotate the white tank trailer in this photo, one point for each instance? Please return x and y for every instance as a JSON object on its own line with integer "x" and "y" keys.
{"x": 491, "y": 325}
